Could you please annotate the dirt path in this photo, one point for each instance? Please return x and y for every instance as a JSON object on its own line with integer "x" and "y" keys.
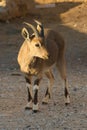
{"x": 13, "y": 94}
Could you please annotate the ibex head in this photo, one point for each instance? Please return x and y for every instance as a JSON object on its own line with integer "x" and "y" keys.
{"x": 36, "y": 40}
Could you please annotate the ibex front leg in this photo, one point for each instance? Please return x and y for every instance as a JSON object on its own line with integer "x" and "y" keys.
{"x": 35, "y": 92}
{"x": 29, "y": 89}
{"x": 49, "y": 88}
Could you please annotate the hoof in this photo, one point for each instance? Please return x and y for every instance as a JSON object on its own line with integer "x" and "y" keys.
{"x": 29, "y": 105}
{"x": 66, "y": 104}
{"x": 35, "y": 108}
{"x": 28, "y": 108}
{"x": 45, "y": 100}
{"x": 67, "y": 100}
{"x": 44, "y": 103}
{"x": 35, "y": 111}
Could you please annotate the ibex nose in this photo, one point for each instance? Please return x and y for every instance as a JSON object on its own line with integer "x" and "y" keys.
{"x": 47, "y": 56}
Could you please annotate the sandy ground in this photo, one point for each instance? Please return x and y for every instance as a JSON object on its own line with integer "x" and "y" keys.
{"x": 71, "y": 21}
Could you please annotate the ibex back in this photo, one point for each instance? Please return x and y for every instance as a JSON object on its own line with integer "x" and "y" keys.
{"x": 39, "y": 52}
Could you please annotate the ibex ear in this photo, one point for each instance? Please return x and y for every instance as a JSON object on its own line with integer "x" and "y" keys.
{"x": 25, "y": 33}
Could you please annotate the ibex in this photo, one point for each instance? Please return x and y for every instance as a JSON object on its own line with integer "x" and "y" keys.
{"x": 38, "y": 53}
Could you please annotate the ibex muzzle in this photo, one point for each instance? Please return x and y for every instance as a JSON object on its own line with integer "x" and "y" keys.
{"x": 39, "y": 52}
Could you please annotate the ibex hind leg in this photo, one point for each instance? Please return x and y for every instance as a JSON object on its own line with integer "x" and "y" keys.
{"x": 49, "y": 88}
{"x": 61, "y": 66}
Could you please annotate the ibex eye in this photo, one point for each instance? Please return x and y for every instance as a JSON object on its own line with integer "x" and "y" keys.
{"x": 37, "y": 45}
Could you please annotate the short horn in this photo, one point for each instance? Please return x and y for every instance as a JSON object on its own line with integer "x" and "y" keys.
{"x": 40, "y": 28}
{"x": 33, "y": 28}
{"x": 39, "y": 23}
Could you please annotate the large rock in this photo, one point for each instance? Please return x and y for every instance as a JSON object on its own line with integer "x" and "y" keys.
{"x": 14, "y": 8}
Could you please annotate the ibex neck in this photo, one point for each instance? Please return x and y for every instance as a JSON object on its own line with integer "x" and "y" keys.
{"x": 35, "y": 66}
{"x": 32, "y": 67}
{"x": 32, "y": 61}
